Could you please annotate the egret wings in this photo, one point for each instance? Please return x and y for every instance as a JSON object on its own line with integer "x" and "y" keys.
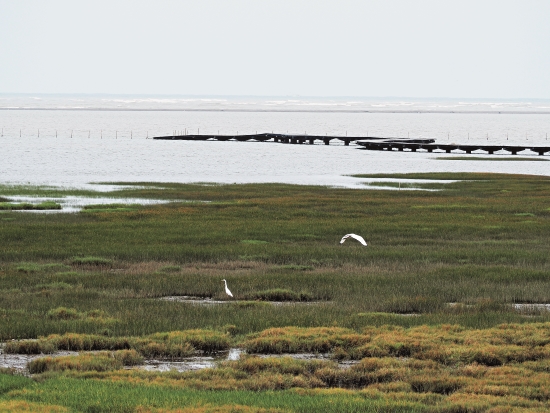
{"x": 354, "y": 236}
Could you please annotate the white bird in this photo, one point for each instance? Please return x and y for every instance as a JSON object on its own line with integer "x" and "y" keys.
{"x": 354, "y": 236}
{"x": 227, "y": 289}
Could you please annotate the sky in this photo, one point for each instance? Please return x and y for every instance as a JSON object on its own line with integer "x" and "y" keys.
{"x": 379, "y": 48}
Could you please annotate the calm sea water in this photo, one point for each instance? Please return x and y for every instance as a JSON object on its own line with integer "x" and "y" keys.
{"x": 75, "y": 140}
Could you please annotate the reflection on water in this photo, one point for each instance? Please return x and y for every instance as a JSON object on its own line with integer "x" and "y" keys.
{"x": 188, "y": 364}
{"x": 194, "y": 300}
{"x": 76, "y": 203}
{"x": 19, "y": 361}
{"x": 234, "y": 354}
{"x": 191, "y": 363}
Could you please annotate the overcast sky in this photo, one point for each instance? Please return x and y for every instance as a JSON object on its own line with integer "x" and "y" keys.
{"x": 383, "y": 48}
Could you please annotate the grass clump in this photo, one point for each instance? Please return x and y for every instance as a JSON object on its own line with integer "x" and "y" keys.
{"x": 68, "y": 274}
{"x": 92, "y": 261}
{"x": 294, "y": 267}
{"x": 175, "y": 344}
{"x": 447, "y": 345}
{"x": 288, "y": 373}
{"x": 69, "y": 342}
{"x": 21, "y": 406}
{"x": 170, "y": 268}
{"x": 102, "y": 361}
{"x": 203, "y": 340}
{"x": 412, "y": 305}
{"x": 33, "y": 267}
{"x": 60, "y": 285}
{"x": 128, "y": 357}
{"x": 63, "y": 313}
{"x": 25, "y": 206}
{"x": 241, "y": 304}
{"x": 279, "y": 294}
{"x": 298, "y": 340}
{"x": 29, "y": 347}
{"x": 29, "y": 267}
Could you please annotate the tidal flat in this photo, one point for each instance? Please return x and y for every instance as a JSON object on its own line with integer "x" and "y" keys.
{"x": 428, "y": 316}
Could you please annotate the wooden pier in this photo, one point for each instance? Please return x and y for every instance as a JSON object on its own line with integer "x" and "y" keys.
{"x": 390, "y": 145}
{"x": 263, "y": 137}
{"x": 368, "y": 143}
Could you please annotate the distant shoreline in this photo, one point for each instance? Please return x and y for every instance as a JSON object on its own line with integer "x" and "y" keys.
{"x": 460, "y": 112}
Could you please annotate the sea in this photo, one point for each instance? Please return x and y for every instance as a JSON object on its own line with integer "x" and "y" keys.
{"x": 78, "y": 140}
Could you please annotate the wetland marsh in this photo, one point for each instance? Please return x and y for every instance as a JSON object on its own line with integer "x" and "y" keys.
{"x": 105, "y": 282}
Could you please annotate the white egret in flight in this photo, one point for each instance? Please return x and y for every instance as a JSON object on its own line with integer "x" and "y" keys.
{"x": 227, "y": 289}
{"x": 354, "y": 236}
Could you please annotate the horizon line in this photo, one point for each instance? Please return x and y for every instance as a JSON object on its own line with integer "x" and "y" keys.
{"x": 242, "y": 110}
{"x": 296, "y": 96}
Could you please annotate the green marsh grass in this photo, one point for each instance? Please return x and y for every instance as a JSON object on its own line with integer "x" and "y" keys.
{"x": 42, "y": 191}
{"x": 128, "y": 294}
{"x": 25, "y": 206}
{"x": 280, "y": 294}
{"x": 106, "y": 208}
{"x": 124, "y": 396}
{"x": 98, "y": 278}
{"x": 170, "y": 268}
{"x": 92, "y": 261}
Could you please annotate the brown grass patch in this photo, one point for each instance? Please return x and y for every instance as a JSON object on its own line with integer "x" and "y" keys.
{"x": 10, "y": 406}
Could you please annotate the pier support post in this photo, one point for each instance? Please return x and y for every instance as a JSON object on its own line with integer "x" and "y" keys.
{"x": 311, "y": 141}
{"x": 327, "y": 141}
{"x": 346, "y": 142}
{"x": 448, "y": 150}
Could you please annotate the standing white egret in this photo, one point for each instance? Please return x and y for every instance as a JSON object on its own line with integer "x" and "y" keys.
{"x": 354, "y": 236}
{"x": 227, "y": 289}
